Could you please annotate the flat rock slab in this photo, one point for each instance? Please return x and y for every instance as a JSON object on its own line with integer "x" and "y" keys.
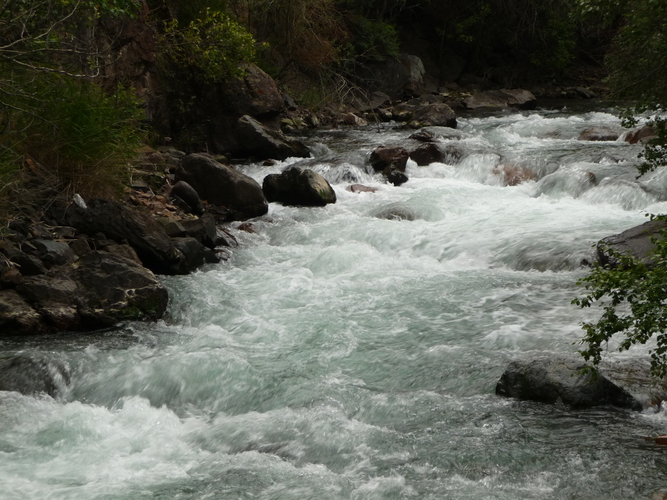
{"x": 635, "y": 242}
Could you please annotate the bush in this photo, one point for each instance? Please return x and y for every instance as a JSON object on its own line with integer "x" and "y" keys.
{"x": 212, "y": 46}
{"x": 71, "y": 136}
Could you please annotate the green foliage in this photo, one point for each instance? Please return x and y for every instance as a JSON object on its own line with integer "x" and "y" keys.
{"x": 633, "y": 297}
{"x": 75, "y": 135}
{"x": 58, "y": 130}
{"x": 372, "y": 40}
{"x": 213, "y": 46}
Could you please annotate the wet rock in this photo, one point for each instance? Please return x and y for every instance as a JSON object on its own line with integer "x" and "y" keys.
{"x": 226, "y": 239}
{"x": 386, "y": 158}
{"x": 222, "y": 185}
{"x": 262, "y": 143}
{"x": 643, "y": 135}
{"x": 599, "y": 134}
{"x": 396, "y": 177}
{"x": 189, "y": 196}
{"x": 635, "y": 242}
{"x": 498, "y": 99}
{"x": 143, "y": 233}
{"x": 513, "y": 175}
{"x": 33, "y": 374}
{"x": 426, "y": 154}
{"x": 552, "y": 380}
{"x": 360, "y": 188}
{"x": 423, "y": 136}
{"x": 299, "y": 187}
{"x": 196, "y": 254}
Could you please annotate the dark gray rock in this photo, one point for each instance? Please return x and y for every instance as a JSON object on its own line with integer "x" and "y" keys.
{"x": 635, "y": 242}
{"x": 298, "y": 187}
{"x": 54, "y": 253}
{"x": 144, "y": 234}
{"x": 255, "y": 94}
{"x": 33, "y": 374}
{"x": 113, "y": 288}
{"x": 396, "y": 177}
{"x": 222, "y": 185}
{"x": 202, "y": 229}
{"x": 426, "y": 154}
{"x": 196, "y": 254}
{"x": 551, "y": 380}
{"x": 263, "y": 143}
{"x": 189, "y": 196}
{"x": 386, "y": 158}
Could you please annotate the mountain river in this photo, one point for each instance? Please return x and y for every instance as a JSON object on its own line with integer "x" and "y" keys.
{"x": 352, "y": 351}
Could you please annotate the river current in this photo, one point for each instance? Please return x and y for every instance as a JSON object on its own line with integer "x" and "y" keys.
{"x": 352, "y": 351}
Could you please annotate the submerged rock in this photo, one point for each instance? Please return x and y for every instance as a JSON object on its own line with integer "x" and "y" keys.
{"x": 298, "y": 187}
{"x": 33, "y": 374}
{"x": 551, "y": 380}
{"x": 599, "y": 134}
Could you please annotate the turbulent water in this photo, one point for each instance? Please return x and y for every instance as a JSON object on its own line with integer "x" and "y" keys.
{"x": 352, "y": 351}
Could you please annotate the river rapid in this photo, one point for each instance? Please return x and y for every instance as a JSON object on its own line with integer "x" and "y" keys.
{"x": 352, "y": 351}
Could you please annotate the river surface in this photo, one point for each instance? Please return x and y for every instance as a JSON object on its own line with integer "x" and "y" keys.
{"x": 352, "y": 351}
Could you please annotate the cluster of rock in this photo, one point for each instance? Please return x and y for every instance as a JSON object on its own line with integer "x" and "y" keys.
{"x": 93, "y": 265}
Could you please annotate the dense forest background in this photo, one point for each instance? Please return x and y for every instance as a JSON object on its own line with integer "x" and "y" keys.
{"x": 73, "y": 108}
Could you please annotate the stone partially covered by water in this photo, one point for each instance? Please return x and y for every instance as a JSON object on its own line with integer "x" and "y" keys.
{"x": 553, "y": 380}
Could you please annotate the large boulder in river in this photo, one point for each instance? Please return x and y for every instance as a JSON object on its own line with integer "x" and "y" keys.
{"x": 263, "y": 143}
{"x": 635, "y": 242}
{"x": 551, "y": 380}
{"x": 222, "y": 185}
{"x": 299, "y": 187}
{"x": 498, "y": 99}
